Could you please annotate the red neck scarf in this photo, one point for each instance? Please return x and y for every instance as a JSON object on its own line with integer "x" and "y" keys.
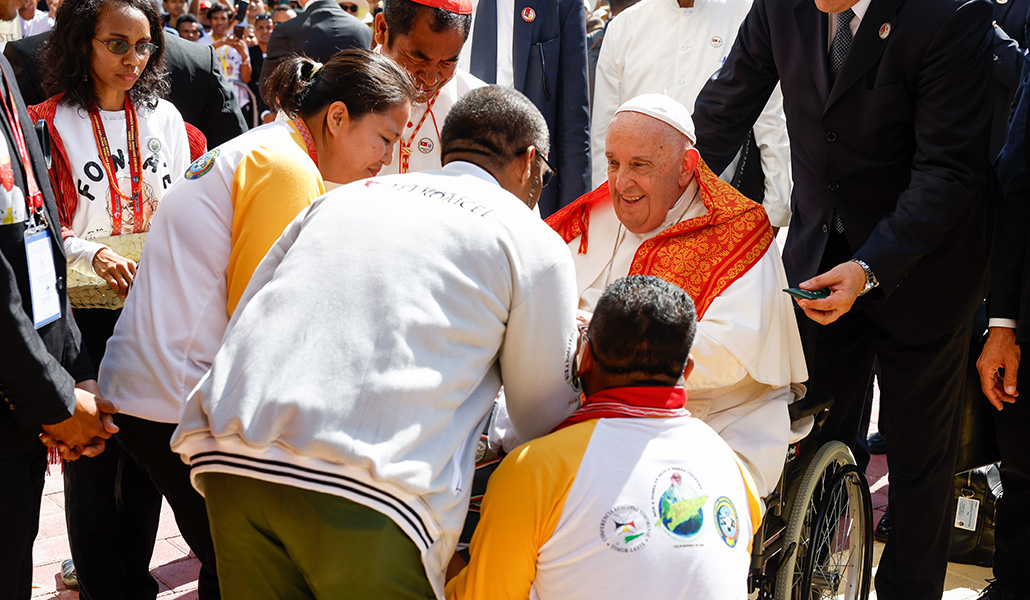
{"x": 631, "y": 402}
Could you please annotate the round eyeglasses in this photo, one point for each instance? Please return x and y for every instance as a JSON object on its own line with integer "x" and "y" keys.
{"x": 121, "y": 47}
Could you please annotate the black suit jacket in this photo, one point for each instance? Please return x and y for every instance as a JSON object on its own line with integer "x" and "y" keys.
{"x": 549, "y": 55}
{"x": 199, "y": 91}
{"x": 1010, "y": 43}
{"x": 1010, "y": 286}
{"x": 321, "y": 30}
{"x": 897, "y": 146}
{"x": 39, "y": 368}
{"x": 257, "y": 60}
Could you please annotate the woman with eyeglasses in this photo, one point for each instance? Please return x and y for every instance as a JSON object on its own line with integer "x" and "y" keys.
{"x": 116, "y": 147}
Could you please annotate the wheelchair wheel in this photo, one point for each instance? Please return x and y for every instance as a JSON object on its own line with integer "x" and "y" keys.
{"x": 830, "y": 529}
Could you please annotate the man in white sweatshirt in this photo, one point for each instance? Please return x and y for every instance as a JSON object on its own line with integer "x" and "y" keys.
{"x": 341, "y": 415}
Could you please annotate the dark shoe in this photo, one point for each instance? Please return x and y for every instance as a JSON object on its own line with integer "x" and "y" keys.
{"x": 68, "y": 575}
{"x": 877, "y": 443}
{"x": 883, "y": 528}
{"x": 997, "y": 591}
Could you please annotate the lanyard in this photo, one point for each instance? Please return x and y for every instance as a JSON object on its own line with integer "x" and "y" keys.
{"x": 305, "y": 133}
{"x": 35, "y": 197}
{"x": 406, "y": 144}
{"x": 135, "y": 168}
{"x": 224, "y": 59}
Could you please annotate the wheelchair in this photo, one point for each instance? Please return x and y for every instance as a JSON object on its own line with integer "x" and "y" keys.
{"x": 816, "y": 540}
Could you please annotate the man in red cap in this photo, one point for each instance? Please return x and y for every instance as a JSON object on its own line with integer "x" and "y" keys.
{"x": 426, "y": 38}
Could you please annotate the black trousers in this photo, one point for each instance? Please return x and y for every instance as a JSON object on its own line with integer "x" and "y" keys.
{"x": 920, "y": 388}
{"x": 112, "y": 509}
{"x": 148, "y": 443}
{"x": 22, "y": 478}
{"x": 1012, "y": 536}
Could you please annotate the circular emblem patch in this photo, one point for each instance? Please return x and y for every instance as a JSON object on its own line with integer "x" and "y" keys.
{"x": 528, "y": 14}
{"x": 625, "y": 528}
{"x": 679, "y": 503}
{"x": 202, "y": 165}
{"x": 885, "y": 30}
{"x": 716, "y": 42}
{"x": 425, "y": 145}
{"x": 155, "y": 145}
{"x": 726, "y": 521}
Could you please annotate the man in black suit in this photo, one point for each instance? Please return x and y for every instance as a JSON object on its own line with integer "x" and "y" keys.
{"x": 1010, "y": 43}
{"x": 1002, "y": 374}
{"x": 111, "y": 506}
{"x": 884, "y": 102}
{"x": 319, "y": 32}
{"x": 47, "y": 382}
{"x": 199, "y": 90}
{"x": 546, "y": 61}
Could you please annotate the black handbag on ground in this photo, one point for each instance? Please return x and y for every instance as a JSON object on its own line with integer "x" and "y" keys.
{"x": 977, "y": 442}
{"x": 975, "y": 514}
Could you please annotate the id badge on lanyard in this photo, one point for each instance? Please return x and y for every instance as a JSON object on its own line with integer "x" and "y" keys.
{"x": 39, "y": 255}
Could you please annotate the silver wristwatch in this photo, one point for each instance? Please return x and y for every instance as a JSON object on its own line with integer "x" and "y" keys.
{"x": 870, "y": 278}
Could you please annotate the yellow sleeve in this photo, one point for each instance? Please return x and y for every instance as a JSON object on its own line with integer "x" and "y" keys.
{"x": 754, "y": 503}
{"x": 521, "y": 509}
{"x": 269, "y": 188}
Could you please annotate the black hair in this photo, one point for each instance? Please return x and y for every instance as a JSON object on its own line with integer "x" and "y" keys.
{"x": 643, "y": 324}
{"x": 496, "y": 122}
{"x": 186, "y": 18}
{"x": 363, "y": 80}
{"x": 217, "y": 7}
{"x": 400, "y": 18}
{"x": 66, "y": 55}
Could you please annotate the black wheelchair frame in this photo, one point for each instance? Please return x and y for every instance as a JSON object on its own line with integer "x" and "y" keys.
{"x": 816, "y": 540}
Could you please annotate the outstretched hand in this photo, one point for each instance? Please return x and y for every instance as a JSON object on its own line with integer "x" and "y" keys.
{"x": 844, "y": 281}
{"x": 1000, "y": 353}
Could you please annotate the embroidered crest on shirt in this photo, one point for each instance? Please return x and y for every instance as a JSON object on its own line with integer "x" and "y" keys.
{"x": 202, "y": 166}
{"x": 726, "y": 521}
{"x": 625, "y": 528}
{"x": 678, "y": 504}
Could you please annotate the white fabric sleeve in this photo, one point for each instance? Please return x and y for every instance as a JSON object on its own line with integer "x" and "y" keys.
{"x": 774, "y": 148}
{"x": 607, "y": 98}
{"x": 538, "y": 352}
{"x": 80, "y": 254}
{"x": 751, "y": 324}
{"x": 998, "y": 322}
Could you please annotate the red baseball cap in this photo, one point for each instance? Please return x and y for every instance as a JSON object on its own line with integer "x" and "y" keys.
{"x": 458, "y": 7}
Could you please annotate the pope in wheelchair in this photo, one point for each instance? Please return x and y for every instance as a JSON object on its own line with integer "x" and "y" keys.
{"x": 663, "y": 213}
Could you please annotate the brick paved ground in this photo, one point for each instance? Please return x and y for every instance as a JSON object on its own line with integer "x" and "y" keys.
{"x": 176, "y": 568}
{"x": 173, "y": 565}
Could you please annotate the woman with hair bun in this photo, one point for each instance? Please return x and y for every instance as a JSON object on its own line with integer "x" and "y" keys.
{"x": 216, "y": 225}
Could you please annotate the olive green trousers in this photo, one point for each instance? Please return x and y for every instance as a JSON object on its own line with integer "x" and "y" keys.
{"x": 276, "y": 541}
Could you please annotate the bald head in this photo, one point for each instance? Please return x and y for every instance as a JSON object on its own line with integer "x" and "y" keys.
{"x": 650, "y": 165}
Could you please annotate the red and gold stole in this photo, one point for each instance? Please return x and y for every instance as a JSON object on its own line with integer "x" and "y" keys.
{"x": 703, "y": 255}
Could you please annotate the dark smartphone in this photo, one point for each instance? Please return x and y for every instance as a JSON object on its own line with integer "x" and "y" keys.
{"x": 237, "y": 31}
{"x": 241, "y": 14}
{"x": 801, "y": 294}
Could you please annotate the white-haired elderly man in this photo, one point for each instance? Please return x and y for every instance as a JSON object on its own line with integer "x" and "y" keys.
{"x": 662, "y": 212}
